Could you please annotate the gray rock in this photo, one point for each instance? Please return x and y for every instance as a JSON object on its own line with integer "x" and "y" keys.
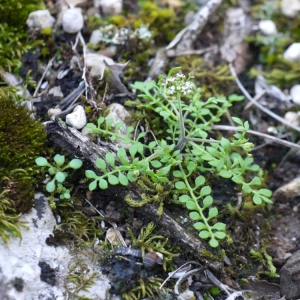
{"x": 40, "y": 19}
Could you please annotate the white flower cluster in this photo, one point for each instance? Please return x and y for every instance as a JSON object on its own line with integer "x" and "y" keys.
{"x": 118, "y": 36}
{"x": 178, "y": 84}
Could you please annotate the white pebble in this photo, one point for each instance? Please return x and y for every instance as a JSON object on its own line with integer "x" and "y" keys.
{"x": 267, "y": 27}
{"x": 290, "y": 8}
{"x": 295, "y": 94}
{"x": 292, "y": 117}
{"x": 96, "y": 37}
{"x": 110, "y": 7}
{"x": 40, "y": 19}
{"x": 96, "y": 63}
{"x": 292, "y": 53}
{"x": 77, "y": 118}
{"x": 72, "y": 21}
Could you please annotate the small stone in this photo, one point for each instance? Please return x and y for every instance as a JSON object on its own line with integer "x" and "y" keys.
{"x": 56, "y": 91}
{"x": 77, "y": 118}
{"x": 292, "y": 53}
{"x": 96, "y": 63}
{"x": 53, "y": 111}
{"x": 267, "y": 27}
{"x": 290, "y": 8}
{"x": 40, "y": 19}
{"x": 96, "y": 37}
{"x": 293, "y": 118}
{"x": 295, "y": 94}
{"x": 117, "y": 112}
{"x": 72, "y": 21}
{"x": 110, "y": 7}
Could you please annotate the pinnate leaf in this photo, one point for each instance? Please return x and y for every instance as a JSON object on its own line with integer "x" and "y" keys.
{"x": 100, "y": 164}
{"x": 112, "y": 179}
{"x": 184, "y": 198}
{"x": 204, "y": 234}
{"x": 60, "y": 176}
{"x": 75, "y": 163}
{"x": 199, "y": 226}
{"x": 103, "y": 184}
{"x": 90, "y": 174}
{"x": 180, "y": 185}
{"x": 93, "y": 185}
{"x": 59, "y": 160}
{"x": 207, "y": 201}
{"x": 110, "y": 158}
{"x": 213, "y": 212}
{"x": 42, "y": 162}
{"x": 191, "y": 205}
{"x": 206, "y": 190}
{"x": 50, "y": 187}
{"x": 123, "y": 179}
{"x": 195, "y": 216}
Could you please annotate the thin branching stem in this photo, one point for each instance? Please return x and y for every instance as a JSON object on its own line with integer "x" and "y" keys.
{"x": 257, "y": 104}
{"x": 263, "y": 135}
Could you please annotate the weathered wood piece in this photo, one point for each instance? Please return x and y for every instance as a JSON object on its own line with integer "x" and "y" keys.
{"x": 78, "y": 145}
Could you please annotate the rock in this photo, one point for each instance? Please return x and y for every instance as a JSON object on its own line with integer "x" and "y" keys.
{"x": 40, "y": 19}
{"x": 292, "y": 53}
{"x": 96, "y": 37}
{"x": 110, "y": 7}
{"x": 292, "y": 117}
{"x": 77, "y": 118}
{"x": 31, "y": 269}
{"x": 295, "y": 94}
{"x": 56, "y": 91}
{"x": 290, "y": 8}
{"x": 288, "y": 191}
{"x": 72, "y": 20}
{"x": 96, "y": 63}
{"x": 117, "y": 112}
{"x": 267, "y": 27}
{"x": 289, "y": 277}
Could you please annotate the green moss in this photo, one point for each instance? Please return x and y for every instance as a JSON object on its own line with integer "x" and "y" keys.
{"x": 21, "y": 140}
{"x": 15, "y": 12}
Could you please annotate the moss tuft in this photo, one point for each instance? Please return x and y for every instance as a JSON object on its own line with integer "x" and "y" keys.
{"x": 21, "y": 140}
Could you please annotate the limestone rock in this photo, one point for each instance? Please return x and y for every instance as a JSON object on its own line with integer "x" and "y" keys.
{"x": 267, "y": 27}
{"x": 292, "y": 53}
{"x": 96, "y": 63}
{"x": 290, "y": 8}
{"x": 40, "y": 19}
{"x": 77, "y": 118}
{"x": 72, "y": 20}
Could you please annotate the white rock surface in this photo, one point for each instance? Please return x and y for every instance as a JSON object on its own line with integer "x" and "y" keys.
{"x": 40, "y": 19}
{"x": 267, "y": 27}
{"x": 77, "y": 118}
{"x": 20, "y": 261}
{"x": 96, "y": 37}
{"x": 96, "y": 63}
{"x": 56, "y": 91}
{"x": 292, "y": 53}
{"x": 292, "y": 117}
{"x": 72, "y": 20}
{"x": 290, "y": 8}
{"x": 110, "y": 7}
{"x": 117, "y": 112}
{"x": 295, "y": 94}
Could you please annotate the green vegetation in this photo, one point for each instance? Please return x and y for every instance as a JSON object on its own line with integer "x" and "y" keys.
{"x": 55, "y": 185}
{"x": 21, "y": 140}
{"x": 184, "y": 154}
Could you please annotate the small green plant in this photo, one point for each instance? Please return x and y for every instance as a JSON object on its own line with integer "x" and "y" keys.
{"x": 185, "y": 154}
{"x": 58, "y": 174}
{"x": 147, "y": 241}
{"x": 9, "y": 221}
